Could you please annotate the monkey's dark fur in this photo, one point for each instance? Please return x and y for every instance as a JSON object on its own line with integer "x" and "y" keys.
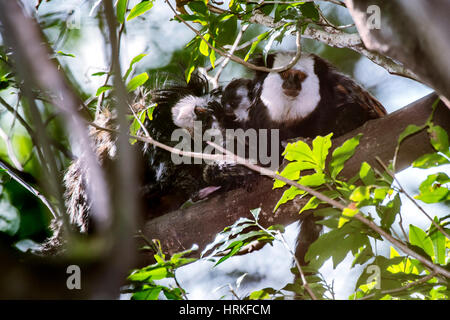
{"x": 164, "y": 186}
{"x": 340, "y": 106}
{"x": 322, "y": 101}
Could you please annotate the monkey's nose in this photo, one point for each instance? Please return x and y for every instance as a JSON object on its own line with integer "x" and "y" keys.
{"x": 291, "y": 92}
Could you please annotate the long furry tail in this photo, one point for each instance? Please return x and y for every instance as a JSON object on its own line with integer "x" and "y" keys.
{"x": 76, "y": 180}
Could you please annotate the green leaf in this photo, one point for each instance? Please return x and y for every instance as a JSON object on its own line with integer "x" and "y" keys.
{"x": 312, "y": 180}
{"x": 360, "y": 194}
{"x": 366, "y": 174}
{"x": 60, "y": 53}
{"x": 212, "y": 58}
{"x": 262, "y": 294}
{"x": 136, "y": 125}
{"x": 97, "y": 74}
{"x": 133, "y": 61}
{"x": 9, "y": 218}
{"x": 292, "y": 172}
{"x": 149, "y": 274}
{"x": 198, "y": 7}
{"x": 337, "y": 243}
{"x": 288, "y": 195}
{"x": 432, "y": 191}
{"x": 173, "y": 294}
{"x": 103, "y": 89}
{"x": 346, "y": 214}
{"x": 321, "y": 145}
{"x": 430, "y": 160}
{"x": 314, "y": 202}
{"x": 435, "y": 196}
{"x": 121, "y": 10}
{"x": 419, "y": 238}
{"x": 150, "y": 111}
{"x": 439, "y": 139}
{"x": 381, "y": 193}
{"x": 388, "y": 212}
{"x": 299, "y": 151}
{"x": 147, "y": 294}
{"x": 410, "y": 130}
{"x": 364, "y": 255}
{"x": 310, "y": 11}
{"x": 438, "y": 240}
{"x": 233, "y": 251}
{"x": 255, "y": 213}
{"x": 137, "y": 81}
{"x": 188, "y": 73}
{"x": 226, "y": 29}
{"x": 203, "y": 48}
{"x": 342, "y": 154}
{"x": 139, "y": 9}
{"x": 255, "y": 43}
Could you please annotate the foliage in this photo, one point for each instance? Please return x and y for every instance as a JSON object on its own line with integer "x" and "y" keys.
{"x": 371, "y": 192}
{"x": 144, "y": 282}
{"x": 395, "y": 277}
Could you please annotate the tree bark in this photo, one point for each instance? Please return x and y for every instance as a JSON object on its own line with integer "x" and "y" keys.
{"x": 198, "y": 224}
{"x": 412, "y": 32}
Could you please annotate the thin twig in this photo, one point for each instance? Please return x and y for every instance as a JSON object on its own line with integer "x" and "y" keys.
{"x": 297, "y": 263}
{"x": 231, "y": 52}
{"x": 27, "y": 127}
{"x": 11, "y": 172}
{"x": 11, "y": 154}
{"x": 230, "y": 157}
{"x": 147, "y": 134}
{"x": 299, "y": 268}
{"x": 402, "y": 190}
{"x": 339, "y": 39}
{"x": 404, "y": 288}
{"x": 358, "y": 216}
{"x": 183, "y": 292}
{"x": 230, "y": 287}
{"x": 237, "y": 59}
{"x": 108, "y": 75}
{"x": 339, "y": 3}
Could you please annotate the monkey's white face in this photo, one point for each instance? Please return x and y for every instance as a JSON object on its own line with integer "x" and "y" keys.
{"x": 285, "y": 103}
{"x": 183, "y": 113}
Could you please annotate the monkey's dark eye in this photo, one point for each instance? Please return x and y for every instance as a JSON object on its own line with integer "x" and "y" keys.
{"x": 235, "y": 103}
{"x": 293, "y": 75}
{"x": 201, "y": 110}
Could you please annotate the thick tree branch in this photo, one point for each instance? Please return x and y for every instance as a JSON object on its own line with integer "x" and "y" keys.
{"x": 339, "y": 39}
{"x": 199, "y": 224}
{"x": 404, "y": 35}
